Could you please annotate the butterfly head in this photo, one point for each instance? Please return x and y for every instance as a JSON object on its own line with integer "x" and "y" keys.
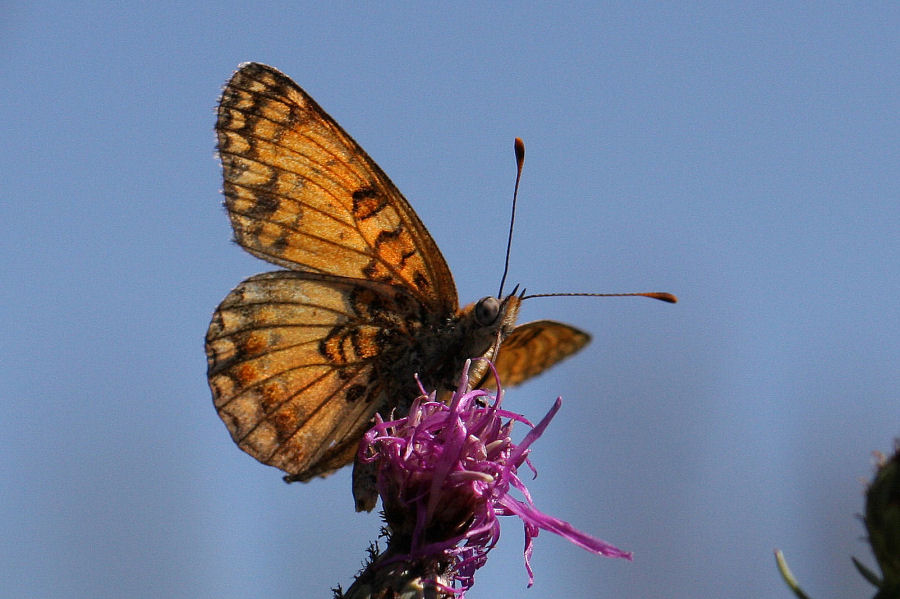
{"x": 491, "y": 320}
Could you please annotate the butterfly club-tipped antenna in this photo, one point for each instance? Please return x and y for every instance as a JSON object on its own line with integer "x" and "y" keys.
{"x": 519, "y": 146}
{"x": 657, "y": 295}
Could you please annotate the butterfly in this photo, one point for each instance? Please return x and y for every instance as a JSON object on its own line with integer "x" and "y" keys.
{"x": 301, "y": 359}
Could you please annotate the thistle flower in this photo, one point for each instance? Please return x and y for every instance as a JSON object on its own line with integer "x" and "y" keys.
{"x": 445, "y": 473}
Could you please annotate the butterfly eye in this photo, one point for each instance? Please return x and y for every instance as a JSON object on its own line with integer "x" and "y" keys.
{"x": 486, "y": 310}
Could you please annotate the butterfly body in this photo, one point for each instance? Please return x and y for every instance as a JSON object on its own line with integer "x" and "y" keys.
{"x": 300, "y": 360}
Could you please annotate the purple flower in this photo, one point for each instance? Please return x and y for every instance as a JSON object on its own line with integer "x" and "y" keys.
{"x": 445, "y": 473}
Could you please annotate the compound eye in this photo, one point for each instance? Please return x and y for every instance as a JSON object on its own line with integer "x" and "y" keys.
{"x": 486, "y": 310}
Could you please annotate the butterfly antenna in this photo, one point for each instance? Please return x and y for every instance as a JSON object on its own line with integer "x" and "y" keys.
{"x": 520, "y": 160}
{"x": 657, "y": 295}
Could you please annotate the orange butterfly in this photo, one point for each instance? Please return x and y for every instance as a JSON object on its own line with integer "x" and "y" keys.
{"x": 300, "y": 360}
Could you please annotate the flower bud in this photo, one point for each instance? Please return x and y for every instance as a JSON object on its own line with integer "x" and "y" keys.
{"x": 883, "y": 522}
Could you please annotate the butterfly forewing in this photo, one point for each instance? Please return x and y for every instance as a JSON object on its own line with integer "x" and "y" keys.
{"x": 534, "y": 347}
{"x": 302, "y": 194}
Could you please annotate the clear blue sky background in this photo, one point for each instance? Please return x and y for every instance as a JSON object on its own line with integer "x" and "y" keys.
{"x": 742, "y": 156}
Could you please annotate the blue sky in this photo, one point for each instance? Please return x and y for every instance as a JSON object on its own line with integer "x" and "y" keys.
{"x": 743, "y": 156}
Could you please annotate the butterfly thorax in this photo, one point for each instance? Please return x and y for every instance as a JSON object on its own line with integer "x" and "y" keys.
{"x": 403, "y": 339}
{"x": 437, "y": 354}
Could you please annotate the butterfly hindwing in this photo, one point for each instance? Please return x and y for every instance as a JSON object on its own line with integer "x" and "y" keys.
{"x": 302, "y": 194}
{"x": 296, "y": 362}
